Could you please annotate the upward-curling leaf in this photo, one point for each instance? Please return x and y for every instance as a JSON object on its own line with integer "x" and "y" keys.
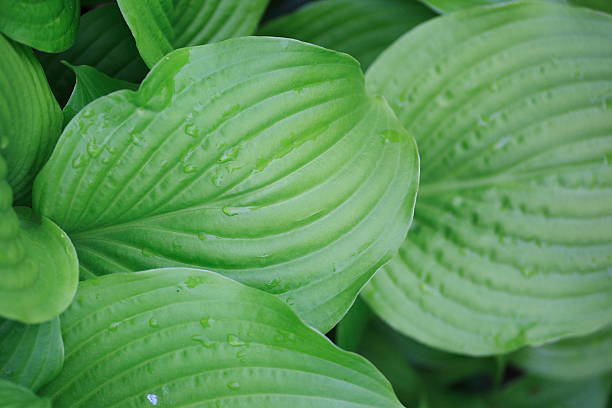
{"x": 182, "y": 337}
{"x": 261, "y": 158}
{"x": 511, "y": 245}
{"x": 48, "y": 25}
{"x": 159, "y": 26}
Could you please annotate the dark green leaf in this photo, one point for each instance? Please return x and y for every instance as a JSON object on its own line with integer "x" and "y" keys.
{"x": 15, "y": 396}
{"x": 350, "y": 330}
{"x": 186, "y": 337}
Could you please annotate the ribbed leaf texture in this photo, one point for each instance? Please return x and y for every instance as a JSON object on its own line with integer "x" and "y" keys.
{"x": 183, "y": 337}
{"x": 263, "y": 159}
{"x": 445, "y": 6}
{"x": 511, "y": 244}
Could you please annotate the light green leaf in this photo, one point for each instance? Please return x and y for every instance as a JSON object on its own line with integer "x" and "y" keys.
{"x": 263, "y": 159}
{"x": 31, "y": 354}
{"x": 445, "y": 6}
{"x": 30, "y": 118}
{"x": 90, "y": 85}
{"x": 15, "y": 396}
{"x": 511, "y": 243}
{"x": 183, "y": 337}
{"x": 105, "y": 43}
{"x": 531, "y": 392}
{"x": 48, "y": 25}
{"x": 569, "y": 359}
{"x": 160, "y": 26}
{"x": 361, "y": 28}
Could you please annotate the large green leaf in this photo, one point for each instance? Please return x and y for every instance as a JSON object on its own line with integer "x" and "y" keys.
{"x": 48, "y": 25}
{"x": 31, "y": 354}
{"x": 105, "y": 43}
{"x": 30, "y": 118}
{"x": 183, "y": 337}
{"x": 263, "y": 159}
{"x": 569, "y": 359}
{"x": 160, "y": 26}
{"x": 361, "y": 28}
{"x": 90, "y": 85}
{"x": 445, "y": 6}
{"x": 15, "y": 396}
{"x": 511, "y": 243}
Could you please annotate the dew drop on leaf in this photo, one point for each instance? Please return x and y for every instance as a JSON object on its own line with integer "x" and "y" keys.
{"x": 234, "y": 340}
{"x": 233, "y": 385}
{"x": 153, "y": 323}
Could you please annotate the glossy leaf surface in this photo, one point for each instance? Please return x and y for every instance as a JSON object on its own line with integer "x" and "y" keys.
{"x": 263, "y": 159}
{"x": 186, "y": 337}
{"x": 361, "y": 28}
{"x": 32, "y": 354}
{"x": 30, "y": 118}
{"x": 511, "y": 245}
{"x": 445, "y": 6}
{"x": 49, "y": 25}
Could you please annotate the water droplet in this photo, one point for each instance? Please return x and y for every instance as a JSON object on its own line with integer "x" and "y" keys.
{"x": 271, "y": 284}
{"x": 188, "y": 169}
{"x": 229, "y": 155}
{"x": 194, "y": 281}
{"x": 88, "y": 113}
{"x": 93, "y": 149}
{"x": 232, "y": 211}
{"x": 203, "y": 341}
{"x": 152, "y": 398}
{"x": 4, "y": 141}
{"x": 205, "y": 322}
{"x": 503, "y": 142}
{"x": 113, "y": 326}
{"x": 528, "y": 271}
{"x": 390, "y": 135}
{"x": 234, "y": 340}
{"x": 233, "y": 385}
{"x": 146, "y": 252}
{"x": 153, "y": 323}
{"x": 78, "y": 162}
{"x": 444, "y": 99}
{"x": 191, "y": 130}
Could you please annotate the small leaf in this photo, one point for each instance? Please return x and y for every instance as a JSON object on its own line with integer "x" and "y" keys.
{"x": 31, "y": 354}
{"x": 49, "y": 25}
{"x": 16, "y": 396}
{"x": 90, "y": 85}
{"x": 261, "y": 158}
{"x": 30, "y": 118}
{"x": 511, "y": 244}
{"x": 105, "y": 43}
{"x": 360, "y": 28}
{"x": 160, "y": 26}
{"x": 253, "y": 352}
{"x": 570, "y": 359}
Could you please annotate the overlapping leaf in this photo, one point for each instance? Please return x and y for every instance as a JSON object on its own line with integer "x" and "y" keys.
{"x": 30, "y": 118}
{"x": 569, "y": 359}
{"x": 184, "y": 337}
{"x": 445, "y": 6}
{"x": 49, "y": 25}
{"x": 512, "y": 243}
{"x": 103, "y": 42}
{"x": 361, "y": 28}
{"x": 16, "y": 396}
{"x": 261, "y": 158}
{"x": 162, "y": 25}
{"x": 31, "y": 354}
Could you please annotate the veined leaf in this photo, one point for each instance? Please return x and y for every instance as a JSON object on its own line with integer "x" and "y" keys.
{"x": 160, "y": 26}
{"x": 361, "y": 28}
{"x": 90, "y": 85}
{"x": 569, "y": 359}
{"x": 445, "y": 6}
{"x": 31, "y": 354}
{"x": 49, "y": 25}
{"x": 16, "y": 396}
{"x": 30, "y": 118}
{"x": 105, "y": 43}
{"x": 261, "y": 158}
{"x": 188, "y": 337}
{"x": 511, "y": 244}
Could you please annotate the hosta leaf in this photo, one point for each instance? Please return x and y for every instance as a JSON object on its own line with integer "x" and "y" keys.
{"x": 350, "y": 330}
{"x": 105, "y": 43}
{"x": 160, "y": 26}
{"x": 569, "y": 359}
{"x": 361, "y": 28}
{"x": 445, "y": 6}
{"x": 49, "y": 25}
{"x": 261, "y": 158}
{"x": 31, "y": 354}
{"x": 16, "y": 396}
{"x": 30, "y": 118}
{"x": 531, "y": 392}
{"x": 186, "y": 337}
{"x": 512, "y": 243}
{"x": 90, "y": 85}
